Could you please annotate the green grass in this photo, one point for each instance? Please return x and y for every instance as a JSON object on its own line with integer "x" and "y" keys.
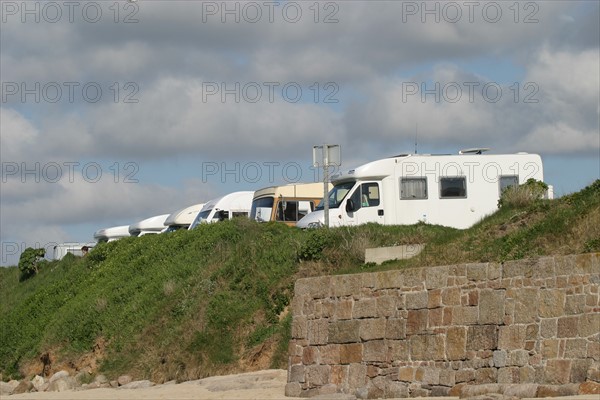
{"x": 194, "y": 303}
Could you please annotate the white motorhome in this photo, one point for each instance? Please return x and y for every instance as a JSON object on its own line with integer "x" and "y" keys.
{"x": 182, "y": 219}
{"x": 110, "y": 234}
{"x": 236, "y": 204}
{"x": 287, "y": 203}
{"x": 75, "y": 248}
{"x": 450, "y": 190}
{"x": 152, "y": 225}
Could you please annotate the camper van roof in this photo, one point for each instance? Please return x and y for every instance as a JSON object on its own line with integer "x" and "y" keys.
{"x": 184, "y": 216}
{"x": 307, "y": 190}
{"x": 233, "y": 201}
{"x": 112, "y": 233}
{"x": 156, "y": 223}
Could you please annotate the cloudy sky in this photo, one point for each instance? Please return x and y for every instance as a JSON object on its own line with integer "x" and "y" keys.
{"x": 114, "y": 111}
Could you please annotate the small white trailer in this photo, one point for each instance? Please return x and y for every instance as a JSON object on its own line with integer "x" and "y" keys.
{"x": 148, "y": 226}
{"x": 286, "y": 203}
{"x": 183, "y": 218}
{"x": 75, "y": 248}
{"x": 236, "y": 204}
{"x": 113, "y": 233}
{"x": 451, "y": 190}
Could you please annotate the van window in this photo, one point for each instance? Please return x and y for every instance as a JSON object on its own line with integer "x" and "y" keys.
{"x": 508, "y": 180}
{"x": 413, "y": 188}
{"x": 261, "y": 209}
{"x": 452, "y": 188}
{"x": 293, "y": 210}
{"x": 370, "y": 195}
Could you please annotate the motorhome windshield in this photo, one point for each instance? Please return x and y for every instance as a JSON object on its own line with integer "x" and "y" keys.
{"x": 204, "y": 215}
{"x": 337, "y": 194}
{"x": 262, "y": 209}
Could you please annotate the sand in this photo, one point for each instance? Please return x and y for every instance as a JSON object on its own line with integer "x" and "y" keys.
{"x": 267, "y": 385}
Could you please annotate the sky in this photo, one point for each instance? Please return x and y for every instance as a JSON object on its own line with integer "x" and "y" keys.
{"x": 115, "y": 111}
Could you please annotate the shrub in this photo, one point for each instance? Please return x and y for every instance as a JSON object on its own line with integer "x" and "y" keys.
{"x": 523, "y": 195}
{"x": 30, "y": 261}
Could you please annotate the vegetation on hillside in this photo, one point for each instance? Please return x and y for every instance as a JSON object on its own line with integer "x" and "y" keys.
{"x": 214, "y": 300}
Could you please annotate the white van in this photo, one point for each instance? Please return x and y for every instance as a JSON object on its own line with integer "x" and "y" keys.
{"x": 75, "y": 248}
{"x": 148, "y": 226}
{"x": 110, "y": 234}
{"x": 287, "y": 203}
{"x": 182, "y": 219}
{"x": 236, "y": 204}
{"x": 450, "y": 190}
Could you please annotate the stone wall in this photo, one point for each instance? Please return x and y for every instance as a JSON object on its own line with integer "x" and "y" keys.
{"x": 423, "y": 331}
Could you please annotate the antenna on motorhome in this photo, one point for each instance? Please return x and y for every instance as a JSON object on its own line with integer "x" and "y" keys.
{"x": 416, "y": 134}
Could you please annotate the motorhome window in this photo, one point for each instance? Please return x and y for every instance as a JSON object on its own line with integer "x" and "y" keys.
{"x": 287, "y": 211}
{"x": 337, "y": 194}
{"x": 451, "y": 188}
{"x": 235, "y": 214}
{"x": 370, "y": 195}
{"x": 508, "y": 180}
{"x": 262, "y": 209}
{"x": 413, "y": 188}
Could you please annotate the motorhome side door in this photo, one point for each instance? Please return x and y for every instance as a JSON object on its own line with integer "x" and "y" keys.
{"x": 366, "y": 202}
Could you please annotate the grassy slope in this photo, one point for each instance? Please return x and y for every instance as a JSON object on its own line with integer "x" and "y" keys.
{"x": 212, "y": 300}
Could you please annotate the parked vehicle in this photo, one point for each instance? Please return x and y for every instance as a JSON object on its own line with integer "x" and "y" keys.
{"x": 182, "y": 219}
{"x": 236, "y": 204}
{"x": 75, "y": 248}
{"x": 110, "y": 234}
{"x": 287, "y": 203}
{"x": 149, "y": 226}
{"x": 450, "y": 190}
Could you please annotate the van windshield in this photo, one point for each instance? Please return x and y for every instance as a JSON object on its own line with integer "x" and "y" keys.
{"x": 262, "y": 209}
{"x": 337, "y": 194}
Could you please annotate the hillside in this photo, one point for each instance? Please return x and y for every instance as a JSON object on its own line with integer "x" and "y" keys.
{"x": 214, "y": 300}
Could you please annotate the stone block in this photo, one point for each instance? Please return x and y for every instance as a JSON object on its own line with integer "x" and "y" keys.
{"x": 593, "y": 350}
{"x": 518, "y": 358}
{"x": 465, "y": 375}
{"x": 447, "y": 377}
{"x": 310, "y": 355}
{"x": 519, "y": 268}
{"x": 589, "y": 388}
{"x": 576, "y": 348}
{"x": 365, "y": 308}
{"x": 297, "y": 374}
{"x": 551, "y": 303}
{"x": 431, "y": 375}
{"x": 579, "y": 369}
{"x": 550, "y": 348}
{"x": 396, "y": 390}
{"x": 499, "y": 358}
{"x": 397, "y": 350}
{"x": 564, "y": 265}
{"x": 345, "y": 285}
{"x": 548, "y": 328}
{"x": 344, "y": 331}
{"x": 434, "y": 298}
{"x": 388, "y": 280}
{"x": 545, "y": 268}
{"x": 557, "y": 390}
{"x": 416, "y": 300}
{"x": 372, "y": 328}
{"x": 414, "y": 277}
{"x": 315, "y": 288}
{"x": 329, "y": 354}
{"x": 427, "y": 347}
{"x": 293, "y": 389}
{"x": 491, "y": 306}
{"x": 482, "y": 337}
{"x": 317, "y": 375}
{"x": 436, "y": 277}
{"x": 557, "y": 372}
{"x": 527, "y": 374}
{"x": 589, "y": 324}
{"x": 351, "y": 353}
{"x": 406, "y": 374}
{"x": 299, "y": 327}
{"x": 526, "y": 304}
{"x": 508, "y": 375}
{"x": 477, "y": 272}
{"x": 375, "y": 350}
{"x": 339, "y": 375}
{"x": 386, "y": 306}
{"x": 416, "y": 321}
{"x": 575, "y": 304}
{"x": 343, "y": 309}
{"x": 465, "y": 315}
{"x": 357, "y": 376}
{"x": 568, "y": 327}
{"x": 512, "y": 337}
{"x": 456, "y": 341}
{"x": 395, "y": 328}
{"x": 451, "y": 296}
{"x": 318, "y": 331}
{"x": 486, "y": 375}
{"x": 435, "y": 317}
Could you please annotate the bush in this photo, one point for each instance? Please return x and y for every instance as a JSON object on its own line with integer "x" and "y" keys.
{"x": 30, "y": 261}
{"x": 523, "y": 195}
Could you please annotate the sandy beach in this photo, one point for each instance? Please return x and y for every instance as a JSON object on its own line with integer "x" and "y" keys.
{"x": 261, "y": 385}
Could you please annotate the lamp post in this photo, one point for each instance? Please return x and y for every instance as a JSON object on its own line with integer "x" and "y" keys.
{"x": 330, "y": 155}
